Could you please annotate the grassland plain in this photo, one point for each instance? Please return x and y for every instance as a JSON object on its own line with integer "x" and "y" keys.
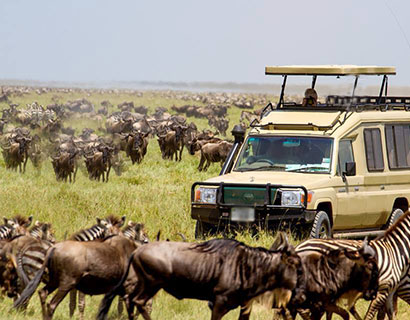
{"x": 156, "y": 192}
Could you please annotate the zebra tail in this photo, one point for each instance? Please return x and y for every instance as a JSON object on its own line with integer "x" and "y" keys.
{"x": 109, "y": 297}
{"x": 33, "y": 284}
{"x": 20, "y": 270}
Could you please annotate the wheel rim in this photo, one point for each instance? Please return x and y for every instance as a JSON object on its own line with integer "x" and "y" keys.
{"x": 323, "y": 231}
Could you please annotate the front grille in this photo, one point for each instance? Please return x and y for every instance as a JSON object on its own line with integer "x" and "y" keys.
{"x": 246, "y": 196}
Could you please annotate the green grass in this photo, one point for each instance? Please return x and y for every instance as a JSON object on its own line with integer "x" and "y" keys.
{"x": 156, "y": 192}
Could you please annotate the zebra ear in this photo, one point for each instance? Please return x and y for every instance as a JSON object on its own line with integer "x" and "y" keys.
{"x": 122, "y": 221}
{"x": 29, "y": 220}
{"x": 5, "y": 220}
{"x": 98, "y": 220}
{"x": 37, "y": 223}
{"x": 130, "y": 223}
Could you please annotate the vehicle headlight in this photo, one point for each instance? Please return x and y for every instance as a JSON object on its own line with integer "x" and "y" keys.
{"x": 292, "y": 198}
{"x": 206, "y": 195}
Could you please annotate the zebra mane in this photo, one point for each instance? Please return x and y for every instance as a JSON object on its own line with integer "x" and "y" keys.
{"x": 22, "y": 221}
{"x": 397, "y": 224}
{"x": 114, "y": 220}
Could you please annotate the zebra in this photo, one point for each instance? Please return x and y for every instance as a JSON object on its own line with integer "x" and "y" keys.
{"x": 14, "y": 227}
{"x": 104, "y": 228}
{"x": 13, "y": 279}
{"x": 393, "y": 258}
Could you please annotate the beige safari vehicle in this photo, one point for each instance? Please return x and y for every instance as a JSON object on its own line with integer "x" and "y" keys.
{"x": 339, "y": 168}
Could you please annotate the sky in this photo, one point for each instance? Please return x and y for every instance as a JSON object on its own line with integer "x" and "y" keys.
{"x": 195, "y": 41}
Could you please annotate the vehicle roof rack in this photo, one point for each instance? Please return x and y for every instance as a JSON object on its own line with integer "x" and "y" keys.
{"x": 330, "y": 70}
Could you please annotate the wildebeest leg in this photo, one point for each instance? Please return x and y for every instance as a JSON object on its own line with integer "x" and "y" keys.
{"x": 245, "y": 312}
{"x": 332, "y": 308}
{"x": 201, "y": 163}
{"x": 73, "y": 301}
{"x": 180, "y": 152}
{"x": 120, "y": 306}
{"x": 220, "y": 309}
{"x": 55, "y": 301}
{"x": 25, "y": 163}
{"x": 108, "y": 173}
{"x": 81, "y": 304}
{"x": 43, "y": 293}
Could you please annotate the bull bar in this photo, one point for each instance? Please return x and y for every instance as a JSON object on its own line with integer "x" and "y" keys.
{"x": 267, "y": 201}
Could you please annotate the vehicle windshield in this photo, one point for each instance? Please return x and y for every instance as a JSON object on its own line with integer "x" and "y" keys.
{"x": 290, "y": 154}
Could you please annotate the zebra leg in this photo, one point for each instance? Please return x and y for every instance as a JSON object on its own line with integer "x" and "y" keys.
{"x": 81, "y": 304}
{"x": 73, "y": 298}
{"x": 376, "y": 305}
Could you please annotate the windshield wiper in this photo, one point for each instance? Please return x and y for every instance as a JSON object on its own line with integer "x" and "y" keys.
{"x": 307, "y": 168}
{"x": 269, "y": 167}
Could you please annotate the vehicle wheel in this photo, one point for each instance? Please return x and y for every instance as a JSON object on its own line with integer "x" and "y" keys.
{"x": 203, "y": 229}
{"x": 395, "y": 215}
{"x": 321, "y": 226}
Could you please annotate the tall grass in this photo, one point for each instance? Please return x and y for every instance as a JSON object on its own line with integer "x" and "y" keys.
{"x": 156, "y": 192}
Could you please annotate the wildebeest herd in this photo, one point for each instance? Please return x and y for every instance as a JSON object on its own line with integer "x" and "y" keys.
{"x": 39, "y": 133}
{"x": 115, "y": 258}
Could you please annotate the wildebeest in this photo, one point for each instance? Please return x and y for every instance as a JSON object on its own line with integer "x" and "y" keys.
{"x": 227, "y": 273}
{"x": 172, "y": 143}
{"x": 213, "y": 152}
{"x": 221, "y": 124}
{"x": 136, "y": 147}
{"x": 15, "y": 152}
{"x": 335, "y": 274}
{"x": 99, "y": 162}
{"x": 65, "y": 166}
{"x": 92, "y": 267}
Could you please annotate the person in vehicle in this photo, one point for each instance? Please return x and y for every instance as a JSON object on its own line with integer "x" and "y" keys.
{"x": 310, "y": 99}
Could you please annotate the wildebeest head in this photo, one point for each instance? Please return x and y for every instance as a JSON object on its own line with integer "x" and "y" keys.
{"x": 366, "y": 271}
{"x": 291, "y": 268}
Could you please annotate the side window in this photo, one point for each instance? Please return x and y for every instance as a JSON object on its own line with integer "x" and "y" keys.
{"x": 374, "y": 153}
{"x": 345, "y": 155}
{"x": 398, "y": 145}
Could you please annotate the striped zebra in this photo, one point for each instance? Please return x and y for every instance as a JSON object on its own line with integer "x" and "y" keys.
{"x": 393, "y": 258}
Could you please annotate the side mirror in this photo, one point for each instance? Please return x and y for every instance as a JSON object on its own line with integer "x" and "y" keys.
{"x": 350, "y": 170}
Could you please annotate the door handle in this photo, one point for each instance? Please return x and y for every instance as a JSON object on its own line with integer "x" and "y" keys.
{"x": 356, "y": 188}
{"x": 382, "y": 187}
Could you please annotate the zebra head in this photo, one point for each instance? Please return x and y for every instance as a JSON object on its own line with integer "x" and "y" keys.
{"x": 15, "y": 226}
{"x": 111, "y": 224}
{"x": 43, "y": 231}
{"x": 135, "y": 231}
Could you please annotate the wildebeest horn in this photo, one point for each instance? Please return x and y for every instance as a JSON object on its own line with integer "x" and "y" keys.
{"x": 281, "y": 243}
{"x": 368, "y": 250}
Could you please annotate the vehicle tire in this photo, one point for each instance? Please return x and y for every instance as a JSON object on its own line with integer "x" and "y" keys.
{"x": 321, "y": 226}
{"x": 395, "y": 215}
{"x": 203, "y": 229}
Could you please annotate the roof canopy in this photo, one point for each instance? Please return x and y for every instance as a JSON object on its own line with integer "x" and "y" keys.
{"x": 329, "y": 70}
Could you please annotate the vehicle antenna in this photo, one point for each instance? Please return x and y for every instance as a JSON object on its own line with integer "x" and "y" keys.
{"x": 398, "y": 23}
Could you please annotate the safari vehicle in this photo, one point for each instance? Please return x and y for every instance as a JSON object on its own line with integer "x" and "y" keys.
{"x": 337, "y": 168}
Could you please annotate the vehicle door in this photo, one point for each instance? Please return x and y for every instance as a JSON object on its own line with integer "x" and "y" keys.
{"x": 349, "y": 191}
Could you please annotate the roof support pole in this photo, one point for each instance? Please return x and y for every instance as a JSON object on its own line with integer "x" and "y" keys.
{"x": 381, "y": 88}
{"x": 355, "y": 85}
{"x": 282, "y": 92}
{"x": 314, "y": 81}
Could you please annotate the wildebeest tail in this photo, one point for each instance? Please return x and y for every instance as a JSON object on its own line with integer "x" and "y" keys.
{"x": 33, "y": 284}
{"x": 109, "y": 297}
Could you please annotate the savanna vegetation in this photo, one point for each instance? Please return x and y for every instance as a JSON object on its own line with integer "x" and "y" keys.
{"x": 155, "y": 192}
